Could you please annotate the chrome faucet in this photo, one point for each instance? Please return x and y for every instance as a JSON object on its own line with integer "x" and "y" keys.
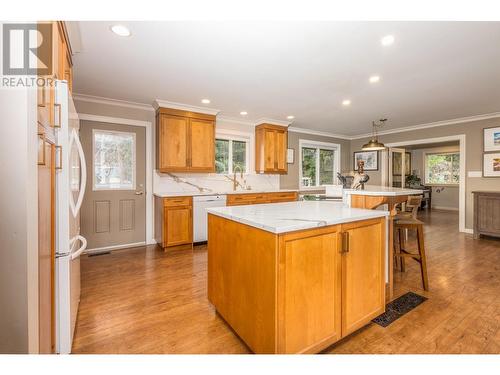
{"x": 235, "y": 180}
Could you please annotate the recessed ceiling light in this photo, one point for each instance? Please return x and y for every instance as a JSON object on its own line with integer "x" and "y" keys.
{"x": 346, "y": 102}
{"x": 205, "y": 101}
{"x": 290, "y": 117}
{"x": 243, "y": 113}
{"x": 387, "y": 40}
{"x": 374, "y": 79}
{"x": 121, "y": 30}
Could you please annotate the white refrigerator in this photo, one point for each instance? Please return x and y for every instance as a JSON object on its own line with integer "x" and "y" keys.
{"x": 70, "y": 188}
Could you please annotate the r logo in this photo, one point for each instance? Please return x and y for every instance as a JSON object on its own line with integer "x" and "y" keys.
{"x": 27, "y": 49}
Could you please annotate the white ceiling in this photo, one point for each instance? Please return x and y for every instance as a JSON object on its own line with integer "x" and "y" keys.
{"x": 434, "y": 71}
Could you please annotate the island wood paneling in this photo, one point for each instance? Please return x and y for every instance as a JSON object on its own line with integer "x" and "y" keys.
{"x": 295, "y": 292}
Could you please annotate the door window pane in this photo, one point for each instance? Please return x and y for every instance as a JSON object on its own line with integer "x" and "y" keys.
{"x": 308, "y": 166}
{"x": 221, "y": 156}
{"x": 239, "y": 156}
{"x": 325, "y": 167}
{"x": 114, "y": 160}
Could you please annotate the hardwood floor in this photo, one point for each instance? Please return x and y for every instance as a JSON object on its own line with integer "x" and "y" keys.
{"x": 146, "y": 301}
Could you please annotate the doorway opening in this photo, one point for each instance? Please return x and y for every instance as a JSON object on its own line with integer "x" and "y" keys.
{"x": 435, "y": 165}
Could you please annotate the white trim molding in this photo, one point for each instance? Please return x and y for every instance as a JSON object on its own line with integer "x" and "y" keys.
{"x": 115, "y": 102}
{"x": 115, "y": 247}
{"x": 455, "y": 121}
{"x": 149, "y": 163}
{"x": 184, "y": 107}
{"x": 320, "y": 133}
{"x": 265, "y": 120}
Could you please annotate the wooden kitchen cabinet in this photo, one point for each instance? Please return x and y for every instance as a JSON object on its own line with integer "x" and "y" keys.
{"x": 300, "y": 291}
{"x": 259, "y": 198}
{"x": 363, "y": 269}
{"x": 174, "y": 221}
{"x": 271, "y": 143}
{"x": 185, "y": 141}
{"x": 49, "y": 113}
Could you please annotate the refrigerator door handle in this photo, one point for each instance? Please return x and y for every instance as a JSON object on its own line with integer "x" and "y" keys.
{"x": 82, "y": 248}
{"x": 74, "y": 138}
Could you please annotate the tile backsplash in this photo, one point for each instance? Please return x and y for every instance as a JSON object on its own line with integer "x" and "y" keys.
{"x": 210, "y": 182}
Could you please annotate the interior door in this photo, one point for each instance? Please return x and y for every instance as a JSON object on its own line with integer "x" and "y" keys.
{"x": 397, "y": 163}
{"x": 113, "y": 212}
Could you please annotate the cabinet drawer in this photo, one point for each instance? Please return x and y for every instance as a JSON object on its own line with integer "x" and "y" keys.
{"x": 282, "y": 197}
{"x": 177, "y": 201}
{"x": 240, "y": 199}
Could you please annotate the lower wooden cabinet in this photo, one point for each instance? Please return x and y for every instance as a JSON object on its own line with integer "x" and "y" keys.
{"x": 296, "y": 292}
{"x": 174, "y": 221}
{"x": 259, "y": 198}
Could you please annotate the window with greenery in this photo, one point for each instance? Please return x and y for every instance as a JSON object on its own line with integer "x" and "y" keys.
{"x": 318, "y": 165}
{"x": 442, "y": 168}
{"x": 113, "y": 160}
{"x": 230, "y": 155}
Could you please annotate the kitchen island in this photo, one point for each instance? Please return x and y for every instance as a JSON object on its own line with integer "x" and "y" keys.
{"x": 296, "y": 277}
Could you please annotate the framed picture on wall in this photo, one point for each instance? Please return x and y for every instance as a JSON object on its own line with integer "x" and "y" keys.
{"x": 491, "y": 165}
{"x": 369, "y": 157}
{"x": 491, "y": 139}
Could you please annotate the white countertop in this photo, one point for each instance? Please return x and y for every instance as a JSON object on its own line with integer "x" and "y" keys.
{"x": 197, "y": 193}
{"x": 292, "y": 216}
{"x": 383, "y": 190}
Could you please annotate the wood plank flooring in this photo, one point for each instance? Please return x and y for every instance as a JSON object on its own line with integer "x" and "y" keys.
{"x": 143, "y": 300}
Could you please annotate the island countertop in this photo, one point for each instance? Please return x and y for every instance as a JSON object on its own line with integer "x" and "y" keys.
{"x": 383, "y": 191}
{"x": 293, "y": 216}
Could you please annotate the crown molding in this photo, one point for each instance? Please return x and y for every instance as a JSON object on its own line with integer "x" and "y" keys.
{"x": 265, "y": 120}
{"x": 233, "y": 120}
{"x": 184, "y": 107}
{"x": 455, "y": 121}
{"x": 115, "y": 102}
{"x": 320, "y": 133}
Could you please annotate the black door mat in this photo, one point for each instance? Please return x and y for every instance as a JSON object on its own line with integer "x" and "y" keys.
{"x": 397, "y": 308}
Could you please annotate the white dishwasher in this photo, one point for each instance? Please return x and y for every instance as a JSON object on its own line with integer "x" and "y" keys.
{"x": 200, "y": 204}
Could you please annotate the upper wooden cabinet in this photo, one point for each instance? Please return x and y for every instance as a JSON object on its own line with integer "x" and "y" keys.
{"x": 185, "y": 141}
{"x": 49, "y": 113}
{"x": 271, "y": 143}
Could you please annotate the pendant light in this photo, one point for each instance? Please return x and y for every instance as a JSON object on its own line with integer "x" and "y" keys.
{"x": 374, "y": 144}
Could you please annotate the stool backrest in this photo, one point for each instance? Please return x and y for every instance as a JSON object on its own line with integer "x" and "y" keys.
{"x": 413, "y": 203}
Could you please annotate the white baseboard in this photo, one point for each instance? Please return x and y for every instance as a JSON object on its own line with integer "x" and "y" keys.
{"x": 444, "y": 208}
{"x": 468, "y": 230}
{"x": 115, "y": 247}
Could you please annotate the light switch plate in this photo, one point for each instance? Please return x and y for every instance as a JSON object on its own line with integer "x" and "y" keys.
{"x": 474, "y": 174}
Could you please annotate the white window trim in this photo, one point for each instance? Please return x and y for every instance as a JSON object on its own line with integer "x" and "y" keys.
{"x": 326, "y": 146}
{"x": 439, "y": 153}
{"x": 235, "y": 136}
{"x": 134, "y": 161}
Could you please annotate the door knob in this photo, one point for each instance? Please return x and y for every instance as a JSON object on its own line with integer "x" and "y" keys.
{"x": 140, "y": 192}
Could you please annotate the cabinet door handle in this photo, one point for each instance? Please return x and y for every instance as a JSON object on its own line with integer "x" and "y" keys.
{"x": 41, "y": 136}
{"x": 44, "y": 99}
{"x": 345, "y": 242}
{"x": 59, "y": 165}
{"x": 58, "y": 125}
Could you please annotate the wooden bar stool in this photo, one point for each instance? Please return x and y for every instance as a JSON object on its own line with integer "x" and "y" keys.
{"x": 401, "y": 226}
